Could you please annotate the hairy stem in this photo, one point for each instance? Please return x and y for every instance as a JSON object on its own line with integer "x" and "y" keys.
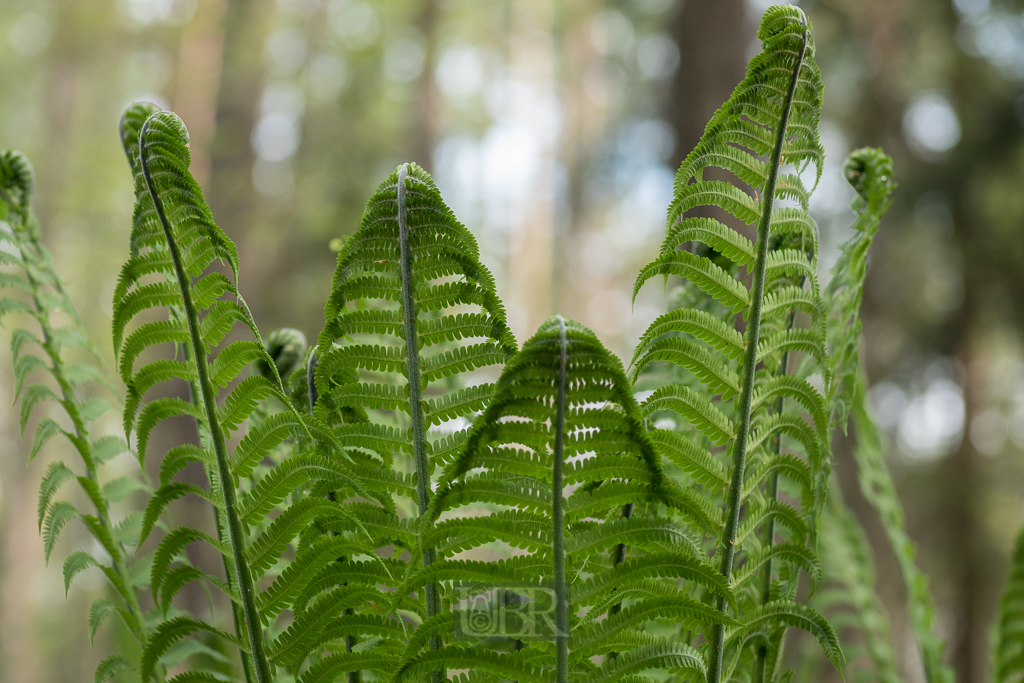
{"x": 558, "y": 528}
{"x": 237, "y": 618}
{"x": 234, "y": 525}
{"x": 419, "y": 426}
{"x": 739, "y": 452}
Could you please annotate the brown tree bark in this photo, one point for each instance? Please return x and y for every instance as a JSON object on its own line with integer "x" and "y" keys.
{"x": 713, "y": 38}
{"x": 231, "y": 194}
{"x": 425, "y": 130}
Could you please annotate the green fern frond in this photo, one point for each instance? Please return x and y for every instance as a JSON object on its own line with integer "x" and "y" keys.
{"x": 798, "y": 616}
{"x": 849, "y": 566}
{"x": 175, "y": 237}
{"x": 397, "y": 278}
{"x": 110, "y": 667}
{"x": 770, "y": 123}
{"x": 879, "y": 490}
{"x": 871, "y": 174}
{"x": 50, "y": 352}
{"x": 1009, "y": 640}
{"x": 563, "y": 414}
{"x": 167, "y": 634}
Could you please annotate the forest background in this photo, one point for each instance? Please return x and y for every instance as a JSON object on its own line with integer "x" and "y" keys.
{"x": 553, "y": 129}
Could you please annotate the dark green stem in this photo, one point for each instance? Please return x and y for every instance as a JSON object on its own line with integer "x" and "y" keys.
{"x": 235, "y": 533}
{"x": 314, "y": 395}
{"x": 419, "y": 427}
{"x": 557, "y": 522}
{"x": 237, "y": 618}
{"x": 739, "y": 452}
{"x": 618, "y": 558}
{"x": 768, "y": 537}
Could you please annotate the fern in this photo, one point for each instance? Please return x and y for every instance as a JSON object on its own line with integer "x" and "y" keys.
{"x": 870, "y": 172}
{"x": 410, "y": 251}
{"x": 732, "y": 388}
{"x": 849, "y": 595}
{"x": 1009, "y": 636}
{"x": 878, "y": 488}
{"x": 668, "y": 537}
{"x": 563, "y": 415}
{"x": 39, "y": 294}
{"x": 174, "y": 238}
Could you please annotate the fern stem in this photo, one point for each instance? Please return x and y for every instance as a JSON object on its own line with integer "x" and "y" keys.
{"x": 237, "y": 618}
{"x": 739, "y": 453}
{"x": 235, "y": 533}
{"x": 84, "y": 447}
{"x": 618, "y": 557}
{"x": 557, "y": 521}
{"x": 768, "y": 536}
{"x": 419, "y": 427}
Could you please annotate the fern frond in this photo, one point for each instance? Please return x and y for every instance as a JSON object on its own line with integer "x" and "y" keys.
{"x": 167, "y": 634}
{"x": 674, "y": 657}
{"x": 407, "y": 243}
{"x": 798, "y": 616}
{"x": 47, "y": 352}
{"x": 110, "y": 667}
{"x": 879, "y": 490}
{"x": 1009, "y": 641}
{"x": 770, "y": 121}
{"x": 174, "y": 236}
{"x": 697, "y": 410}
{"x": 846, "y": 556}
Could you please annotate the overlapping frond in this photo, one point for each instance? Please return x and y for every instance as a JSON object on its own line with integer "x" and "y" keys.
{"x": 849, "y": 598}
{"x": 869, "y": 171}
{"x": 1009, "y": 637}
{"x": 879, "y": 490}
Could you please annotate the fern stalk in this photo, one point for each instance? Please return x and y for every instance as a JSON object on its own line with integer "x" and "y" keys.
{"x": 313, "y": 396}
{"x": 82, "y": 443}
{"x": 237, "y": 617}
{"x": 235, "y": 534}
{"x": 419, "y": 427}
{"x": 732, "y": 510}
{"x": 557, "y": 517}
{"x": 768, "y": 536}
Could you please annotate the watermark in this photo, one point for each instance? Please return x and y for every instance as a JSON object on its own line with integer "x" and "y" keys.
{"x": 506, "y": 612}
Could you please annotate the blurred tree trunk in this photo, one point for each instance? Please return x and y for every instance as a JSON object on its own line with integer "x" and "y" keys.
{"x": 425, "y": 130}
{"x": 531, "y": 262}
{"x": 230, "y": 192}
{"x": 200, "y": 59}
{"x": 713, "y": 38}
